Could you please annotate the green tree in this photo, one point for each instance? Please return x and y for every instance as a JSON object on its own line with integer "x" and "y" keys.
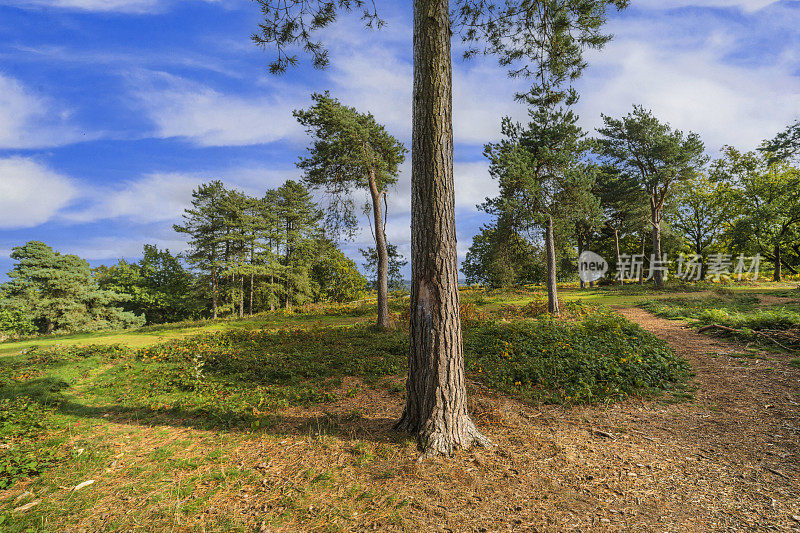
{"x": 659, "y": 157}
{"x": 60, "y": 293}
{"x": 14, "y": 322}
{"x": 701, "y": 214}
{"x": 352, "y": 151}
{"x": 542, "y": 181}
{"x": 785, "y": 145}
{"x": 395, "y": 261}
{"x": 299, "y": 219}
{"x": 336, "y": 274}
{"x": 525, "y": 35}
{"x": 624, "y": 206}
{"x": 502, "y": 258}
{"x": 767, "y": 196}
{"x": 205, "y": 225}
{"x": 158, "y": 285}
{"x": 270, "y": 239}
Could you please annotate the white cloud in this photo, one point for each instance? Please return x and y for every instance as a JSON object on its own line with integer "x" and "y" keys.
{"x": 183, "y": 109}
{"x": 161, "y": 197}
{"x": 154, "y": 198}
{"x": 118, "y": 6}
{"x": 745, "y": 5}
{"x": 694, "y": 88}
{"x": 113, "y": 248}
{"x": 473, "y": 183}
{"x": 30, "y": 121}
{"x": 373, "y": 72}
{"x": 30, "y": 193}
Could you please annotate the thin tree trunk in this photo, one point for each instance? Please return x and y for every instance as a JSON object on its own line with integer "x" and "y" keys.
{"x": 214, "y": 292}
{"x": 658, "y": 275}
{"x": 251, "y": 294}
{"x": 552, "y": 286}
{"x": 777, "y": 274}
{"x": 241, "y": 296}
{"x": 698, "y": 249}
{"x": 580, "y": 251}
{"x": 271, "y": 292}
{"x": 436, "y": 399}
{"x": 383, "y": 253}
{"x": 641, "y": 271}
{"x": 619, "y": 258}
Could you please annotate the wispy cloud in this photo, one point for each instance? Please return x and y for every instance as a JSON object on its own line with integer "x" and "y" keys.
{"x": 31, "y": 194}
{"x": 28, "y": 120}
{"x": 185, "y": 109}
{"x": 161, "y": 197}
{"x": 694, "y": 84}
{"x": 118, "y": 6}
{"x": 745, "y": 5}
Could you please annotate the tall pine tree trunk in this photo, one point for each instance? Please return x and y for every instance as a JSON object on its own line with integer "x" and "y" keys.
{"x": 777, "y": 274}
{"x": 655, "y": 220}
{"x": 214, "y": 292}
{"x": 552, "y": 285}
{"x": 580, "y": 251}
{"x": 383, "y": 253}
{"x": 619, "y": 257}
{"x": 436, "y": 402}
{"x": 251, "y": 294}
{"x": 241, "y": 296}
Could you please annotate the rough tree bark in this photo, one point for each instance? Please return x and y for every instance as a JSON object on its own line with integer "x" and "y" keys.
{"x": 552, "y": 287}
{"x": 436, "y": 403}
{"x": 777, "y": 274}
{"x": 383, "y": 253}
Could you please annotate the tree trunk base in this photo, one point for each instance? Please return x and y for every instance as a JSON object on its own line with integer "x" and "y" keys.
{"x": 435, "y": 441}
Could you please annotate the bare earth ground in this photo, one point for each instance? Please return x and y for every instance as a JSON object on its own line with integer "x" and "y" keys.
{"x": 726, "y": 461}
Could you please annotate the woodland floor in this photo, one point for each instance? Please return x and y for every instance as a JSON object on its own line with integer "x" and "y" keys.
{"x": 727, "y": 459}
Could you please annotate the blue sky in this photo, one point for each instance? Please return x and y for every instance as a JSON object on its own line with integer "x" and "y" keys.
{"x": 112, "y": 111}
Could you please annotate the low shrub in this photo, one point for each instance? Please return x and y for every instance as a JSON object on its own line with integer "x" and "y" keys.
{"x": 603, "y": 357}
{"x": 22, "y": 421}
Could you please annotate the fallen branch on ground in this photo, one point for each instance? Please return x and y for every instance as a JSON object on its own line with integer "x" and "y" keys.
{"x": 734, "y": 330}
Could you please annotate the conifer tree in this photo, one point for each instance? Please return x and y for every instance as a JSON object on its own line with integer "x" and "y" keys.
{"x": 521, "y": 33}
{"x": 658, "y": 157}
{"x": 299, "y": 218}
{"x": 60, "y": 293}
{"x": 352, "y": 151}
{"x": 204, "y": 223}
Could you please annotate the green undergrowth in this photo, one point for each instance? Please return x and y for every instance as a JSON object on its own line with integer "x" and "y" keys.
{"x": 601, "y": 357}
{"x": 243, "y": 380}
{"x": 695, "y": 308}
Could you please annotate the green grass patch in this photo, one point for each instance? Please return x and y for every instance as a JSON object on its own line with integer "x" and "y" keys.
{"x": 600, "y": 358}
{"x": 243, "y": 378}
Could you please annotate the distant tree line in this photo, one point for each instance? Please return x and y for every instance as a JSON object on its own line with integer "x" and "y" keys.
{"x": 246, "y": 255}
{"x": 640, "y": 187}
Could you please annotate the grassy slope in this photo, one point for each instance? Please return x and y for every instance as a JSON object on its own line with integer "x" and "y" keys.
{"x": 151, "y": 434}
{"x": 148, "y": 336}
